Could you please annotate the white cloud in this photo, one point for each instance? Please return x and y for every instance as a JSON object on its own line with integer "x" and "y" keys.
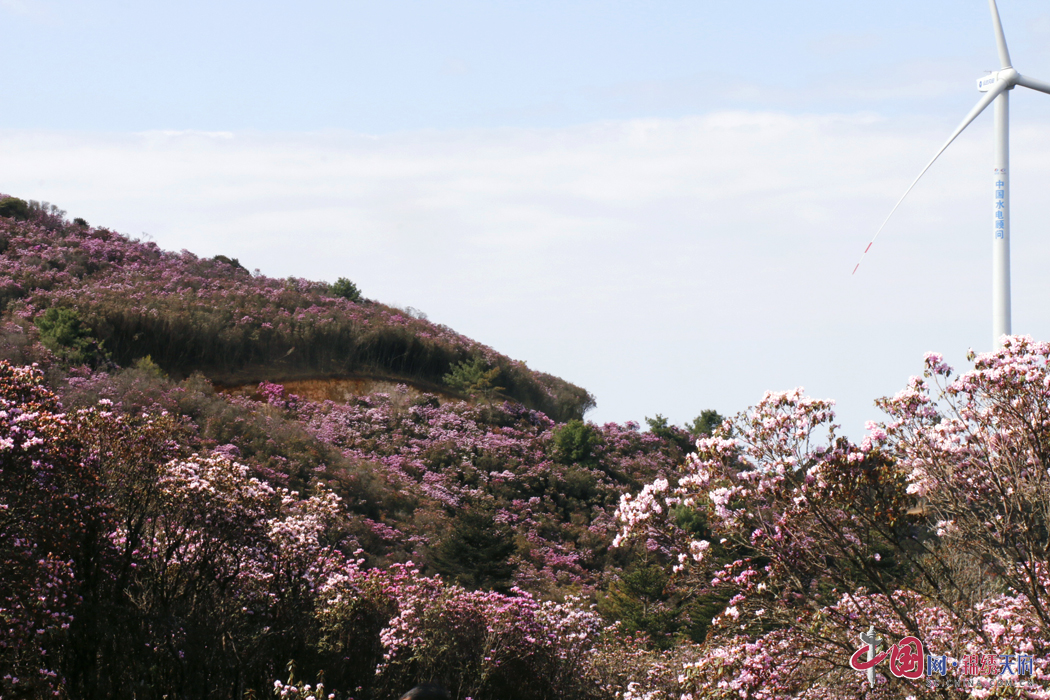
{"x": 666, "y": 265}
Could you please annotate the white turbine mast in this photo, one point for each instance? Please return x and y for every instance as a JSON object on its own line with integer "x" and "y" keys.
{"x": 996, "y": 88}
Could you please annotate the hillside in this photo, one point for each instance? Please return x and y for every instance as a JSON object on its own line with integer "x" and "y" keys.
{"x": 214, "y": 317}
{"x": 404, "y": 449}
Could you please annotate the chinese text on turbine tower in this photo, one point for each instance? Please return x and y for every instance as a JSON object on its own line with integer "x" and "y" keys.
{"x": 1000, "y": 204}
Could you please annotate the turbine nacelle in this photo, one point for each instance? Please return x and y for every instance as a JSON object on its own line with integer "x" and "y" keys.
{"x": 1007, "y": 75}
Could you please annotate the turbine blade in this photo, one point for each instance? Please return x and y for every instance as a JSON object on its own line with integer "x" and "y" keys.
{"x": 1033, "y": 84}
{"x": 1000, "y": 38}
{"x": 988, "y": 98}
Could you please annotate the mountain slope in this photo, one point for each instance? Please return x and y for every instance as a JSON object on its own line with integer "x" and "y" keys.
{"x": 212, "y": 316}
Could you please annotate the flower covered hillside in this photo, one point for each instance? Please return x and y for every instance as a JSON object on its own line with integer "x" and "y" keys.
{"x": 547, "y": 515}
{"x": 84, "y": 285}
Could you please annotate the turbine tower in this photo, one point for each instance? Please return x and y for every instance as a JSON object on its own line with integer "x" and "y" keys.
{"x": 996, "y": 88}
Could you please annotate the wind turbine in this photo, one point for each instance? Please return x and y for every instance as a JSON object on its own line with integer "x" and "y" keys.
{"x": 996, "y": 88}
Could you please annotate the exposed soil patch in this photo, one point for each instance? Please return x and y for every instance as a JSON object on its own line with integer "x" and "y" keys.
{"x": 341, "y": 389}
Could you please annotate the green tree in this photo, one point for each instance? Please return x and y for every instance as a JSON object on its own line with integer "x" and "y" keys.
{"x": 705, "y": 424}
{"x": 346, "y": 289}
{"x": 640, "y": 601}
{"x": 658, "y": 426}
{"x": 574, "y": 443}
{"x": 232, "y": 262}
{"x": 150, "y": 368}
{"x": 474, "y": 377}
{"x": 646, "y": 599}
{"x": 672, "y": 434}
{"x": 14, "y": 208}
{"x": 476, "y": 552}
{"x": 62, "y": 332}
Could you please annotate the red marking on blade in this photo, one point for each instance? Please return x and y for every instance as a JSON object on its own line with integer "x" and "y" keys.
{"x": 855, "y": 269}
{"x": 868, "y": 248}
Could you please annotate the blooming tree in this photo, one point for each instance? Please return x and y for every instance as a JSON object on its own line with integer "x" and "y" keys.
{"x": 933, "y": 527}
{"x": 44, "y": 493}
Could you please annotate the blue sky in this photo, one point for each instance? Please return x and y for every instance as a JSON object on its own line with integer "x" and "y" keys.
{"x": 379, "y": 67}
{"x": 660, "y": 201}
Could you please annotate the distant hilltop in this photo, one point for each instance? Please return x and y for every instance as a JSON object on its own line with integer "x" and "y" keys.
{"x": 94, "y": 296}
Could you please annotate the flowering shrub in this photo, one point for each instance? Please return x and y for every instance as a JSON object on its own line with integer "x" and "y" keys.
{"x": 43, "y": 487}
{"x": 294, "y": 690}
{"x": 477, "y": 644}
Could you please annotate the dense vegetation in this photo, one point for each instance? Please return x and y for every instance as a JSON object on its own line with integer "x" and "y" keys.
{"x": 227, "y": 536}
{"x": 159, "y": 539}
